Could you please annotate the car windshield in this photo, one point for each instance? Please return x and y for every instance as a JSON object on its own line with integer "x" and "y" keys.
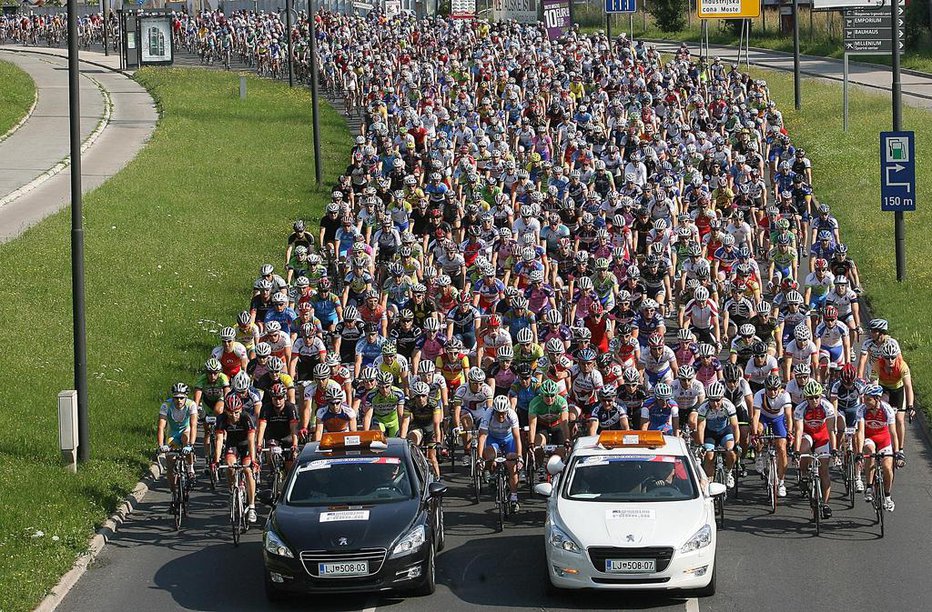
{"x": 630, "y": 478}
{"x": 349, "y": 480}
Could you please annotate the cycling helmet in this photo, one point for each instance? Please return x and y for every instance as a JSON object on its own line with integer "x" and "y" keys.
{"x": 333, "y": 395}
{"x": 179, "y": 389}
{"x": 243, "y": 319}
{"x": 608, "y": 392}
{"x": 794, "y": 297}
{"x": 812, "y": 389}
{"x": 266, "y": 270}
{"x": 303, "y": 281}
{"x": 385, "y": 378}
{"x": 227, "y": 333}
{"x": 263, "y": 349}
{"x": 848, "y": 374}
{"x": 501, "y": 404}
{"x": 830, "y": 313}
{"x": 648, "y": 303}
{"x": 880, "y": 325}
{"x": 213, "y": 365}
{"x": 585, "y": 283}
{"x": 746, "y": 330}
{"x": 732, "y": 372}
{"x": 278, "y": 390}
{"x": 663, "y": 391}
{"x": 523, "y": 369}
{"x": 655, "y": 340}
{"x": 701, "y": 294}
{"x": 241, "y": 381}
{"x": 873, "y": 390}
{"x": 233, "y": 403}
{"x": 553, "y": 317}
{"x": 759, "y": 349}
{"x": 273, "y": 327}
{"x": 476, "y": 375}
{"x": 431, "y": 324}
{"x": 596, "y": 308}
{"x": 322, "y": 370}
{"x": 525, "y": 335}
{"x": 276, "y": 365}
{"x": 773, "y": 382}
{"x": 389, "y": 348}
{"x": 683, "y": 334}
{"x": 686, "y": 372}
{"x": 406, "y": 314}
{"x": 802, "y": 369}
{"x": 454, "y": 344}
{"x": 716, "y": 391}
{"x": 706, "y": 350}
{"x": 890, "y": 349}
{"x": 504, "y": 353}
{"x": 548, "y": 387}
{"x": 587, "y": 355}
{"x": 802, "y": 334}
{"x": 308, "y": 329}
{"x": 369, "y": 373}
{"x": 555, "y": 345}
{"x": 422, "y": 389}
{"x": 298, "y": 225}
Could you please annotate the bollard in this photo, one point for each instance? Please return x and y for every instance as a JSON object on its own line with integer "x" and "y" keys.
{"x": 242, "y": 88}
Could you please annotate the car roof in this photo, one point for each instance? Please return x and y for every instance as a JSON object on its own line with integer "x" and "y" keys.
{"x": 589, "y": 445}
{"x": 395, "y": 447}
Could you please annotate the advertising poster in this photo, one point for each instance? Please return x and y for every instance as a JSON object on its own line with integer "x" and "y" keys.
{"x": 556, "y": 17}
{"x": 155, "y": 40}
{"x": 523, "y": 11}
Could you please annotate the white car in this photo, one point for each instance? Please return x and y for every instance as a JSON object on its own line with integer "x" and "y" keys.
{"x": 630, "y": 510}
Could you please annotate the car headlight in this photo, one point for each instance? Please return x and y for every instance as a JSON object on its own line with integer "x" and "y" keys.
{"x": 700, "y": 539}
{"x": 275, "y": 546}
{"x": 559, "y": 539}
{"x": 412, "y": 541}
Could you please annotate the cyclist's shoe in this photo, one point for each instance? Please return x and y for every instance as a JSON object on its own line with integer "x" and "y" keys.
{"x": 761, "y": 464}
{"x": 826, "y": 512}
{"x": 541, "y": 474}
{"x": 781, "y": 489}
{"x": 869, "y": 495}
{"x": 752, "y": 453}
{"x": 730, "y": 481}
{"x": 858, "y": 485}
{"x": 837, "y": 461}
{"x": 513, "y": 502}
{"x": 466, "y": 461}
{"x": 888, "y": 504}
{"x": 250, "y": 515}
{"x": 742, "y": 471}
{"x": 171, "y": 508}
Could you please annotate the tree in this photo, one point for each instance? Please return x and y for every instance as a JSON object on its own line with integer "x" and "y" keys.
{"x": 669, "y": 15}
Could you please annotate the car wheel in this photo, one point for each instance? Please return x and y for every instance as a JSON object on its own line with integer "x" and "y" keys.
{"x": 441, "y": 534}
{"x": 272, "y": 592}
{"x": 430, "y": 579}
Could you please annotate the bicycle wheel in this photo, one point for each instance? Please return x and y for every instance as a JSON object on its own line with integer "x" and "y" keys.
{"x": 878, "y": 499}
{"x": 530, "y": 469}
{"x": 501, "y": 498}
{"x": 476, "y": 473}
{"x": 773, "y": 484}
{"x": 177, "y": 502}
{"x": 815, "y": 503}
{"x": 236, "y": 514}
{"x": 850, "y": 477}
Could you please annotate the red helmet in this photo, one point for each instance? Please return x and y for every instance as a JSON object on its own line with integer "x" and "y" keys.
{"x": 233, "y": 403}
{"x": 830, "y": 314}
{"x": 495, "y": 320}
{"x": 848, "y": 374}
{"x": 821, "y": 264}
{"x": 789, "y": 284}
{"x": 655, "y": 340}
{"x": 597, "y": 308}
{"x": 278, "y": 390}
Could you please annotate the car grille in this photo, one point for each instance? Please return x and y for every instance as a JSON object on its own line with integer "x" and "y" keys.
{"x": 598, "y": 555}
{"x": 310, "y": 559}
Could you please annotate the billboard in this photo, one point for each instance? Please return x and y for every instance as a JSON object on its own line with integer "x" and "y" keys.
{"x": 556, "y": 17}
{"x": 524, "y": 11}
{"x": 155, "y": 35}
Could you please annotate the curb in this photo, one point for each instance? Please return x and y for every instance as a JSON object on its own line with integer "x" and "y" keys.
{"x": 12, "y": 130}
{"x": 57, "y": 168}
{"x": 97, "y": 542}
{"x": 64, "y": 56}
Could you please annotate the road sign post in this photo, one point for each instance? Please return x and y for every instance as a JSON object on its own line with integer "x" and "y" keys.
{"x": 620, "y": 6}
{"x": 898, "y": 186}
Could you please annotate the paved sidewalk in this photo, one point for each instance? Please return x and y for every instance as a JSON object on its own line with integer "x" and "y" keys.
{"x": 41, "y": 144}
{"x": 917, "y": 89}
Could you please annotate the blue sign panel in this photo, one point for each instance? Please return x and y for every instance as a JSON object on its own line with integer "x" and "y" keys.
{"x": 620, "y": 6}
{"x": 897, "y": 171}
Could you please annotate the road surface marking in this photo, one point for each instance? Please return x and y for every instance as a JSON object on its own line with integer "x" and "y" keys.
{"x": 692, "y": 605}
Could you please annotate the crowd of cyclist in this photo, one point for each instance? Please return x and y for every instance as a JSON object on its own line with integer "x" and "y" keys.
{"x": 51, "y": 29}
{"x": 536, "y": 240}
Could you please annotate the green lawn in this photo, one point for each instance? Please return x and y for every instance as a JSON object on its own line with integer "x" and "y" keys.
{"x": 17, "y": 91}
{"x": 173, "y": 244}
{"x": 847, "y": 177}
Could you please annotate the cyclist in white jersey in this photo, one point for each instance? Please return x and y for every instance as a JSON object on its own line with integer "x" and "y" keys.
{"x": 688, "y": 393}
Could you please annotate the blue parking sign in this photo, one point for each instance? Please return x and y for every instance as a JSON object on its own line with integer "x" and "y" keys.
{"x": 620, "y": 6}
{"x": 897, "y": 171}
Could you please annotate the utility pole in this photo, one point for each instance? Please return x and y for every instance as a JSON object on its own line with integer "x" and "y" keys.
{"x": 315, "y": 103}
{"x": 290, "y": 50}
{"x": 797, "y": 93}
{"x": 77, "y": 236}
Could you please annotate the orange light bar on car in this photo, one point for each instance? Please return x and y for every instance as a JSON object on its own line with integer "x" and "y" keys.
{"x": 631, "y": 439}
{"x": 350, "y": 439}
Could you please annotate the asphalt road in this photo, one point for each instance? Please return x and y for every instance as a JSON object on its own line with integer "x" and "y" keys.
{"x": 766, "y": 562}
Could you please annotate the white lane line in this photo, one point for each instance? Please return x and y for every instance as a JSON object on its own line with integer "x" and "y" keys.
{"x": 692, "y": 605}
{"x": 370, "y": 605}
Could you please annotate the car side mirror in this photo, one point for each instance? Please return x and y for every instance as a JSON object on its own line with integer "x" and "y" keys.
{"x": 716, "y": 489}
{"x": 554, "y": 465}
{"x": 544, "y": 489}
{"x": 436, "y": 489}
{"x": 265, "y": 497}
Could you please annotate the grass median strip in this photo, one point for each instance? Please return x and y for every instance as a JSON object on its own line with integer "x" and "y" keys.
{"x": 173, "y": 244}
{"x": 17, "y": 91}
{"x": 847, "y": 178}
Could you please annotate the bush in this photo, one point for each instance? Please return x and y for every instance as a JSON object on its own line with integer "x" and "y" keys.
{"x": 917, "y": 25}
{"x": 669, "y": 15}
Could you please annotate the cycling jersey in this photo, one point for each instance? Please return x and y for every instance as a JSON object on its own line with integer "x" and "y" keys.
{"x": 658, "y": 414}
{"x": 877, "y": 422}
{"x": 212, "y": 392}
{"x": 717, "y": 419}
{"x": 336, "y": 419}
{"x": 548, "y": 414}
{"x": 815, "y": 421}
{"x": 477, "y": 402}
{"x": 177, "y": 420}
{"x": 385, "y": 408}
{"x": 278, "y": 424}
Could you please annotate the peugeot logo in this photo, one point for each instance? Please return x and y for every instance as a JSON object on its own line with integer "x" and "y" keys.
{"x": 631, "y": 537}
{"x": 343, "y": 541}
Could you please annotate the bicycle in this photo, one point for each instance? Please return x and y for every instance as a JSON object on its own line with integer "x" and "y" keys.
{"x": 210, "y": 422}
{"x": 812, "y": 485}
{"x": 475, "y": 465}
{"x": 500, "y": 482}
{"x": 877, "y": 489}
{"x": 276, "y": 467}
{"x": 720, "y": 476}
{"x": 180, "y": 483}
{"x": 529, "y": 460}
{"x": 849, "y": 461}
{"x": 238, "y": 523}
{"x": 769, "y": 474}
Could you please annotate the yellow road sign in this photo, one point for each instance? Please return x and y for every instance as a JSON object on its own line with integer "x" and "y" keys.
{"x": 728, "y": 9}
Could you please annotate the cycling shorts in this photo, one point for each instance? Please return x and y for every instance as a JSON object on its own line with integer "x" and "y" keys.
{"x": 816, "y": 450}
{"x": 850, "y": 414}
{"x": 554, "y": 434}
{"x": 390, "y": 428}
{"x": 777, "y": 424}
{"x": 505, "y": 446}
{"x": 427, "y": 432}
{"x": 714, "y": 439}
{"x": 832, "y": 353}
{"x": 897, "y": 398}
{"x": 175, "y": 439}
{"x": 663, "y": 375}
{"x": 239, "y": 451}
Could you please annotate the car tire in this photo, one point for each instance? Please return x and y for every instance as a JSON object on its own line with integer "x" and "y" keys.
{"x": 441, "y": 533}
{"x": 430, "y": 579}
{"x": 272, "y": 593}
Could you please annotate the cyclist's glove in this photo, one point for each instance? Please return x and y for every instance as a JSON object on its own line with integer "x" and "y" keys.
{"x": 164, "y": 449}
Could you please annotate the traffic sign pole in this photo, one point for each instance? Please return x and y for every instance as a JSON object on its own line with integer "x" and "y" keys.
{"x": 899, "y": 224}
{"x": 797, "y": 92}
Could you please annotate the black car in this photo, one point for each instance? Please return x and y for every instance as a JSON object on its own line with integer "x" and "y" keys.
{"x": 357, "y": 513}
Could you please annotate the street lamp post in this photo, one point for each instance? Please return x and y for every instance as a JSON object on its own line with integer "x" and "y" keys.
{"x": 77, "y": 236}
{"x": 315, "y": 118}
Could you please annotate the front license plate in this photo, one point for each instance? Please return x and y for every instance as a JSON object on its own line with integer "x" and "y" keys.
{"x": 354, "y": 568}
{"x": 631, "y": 565}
